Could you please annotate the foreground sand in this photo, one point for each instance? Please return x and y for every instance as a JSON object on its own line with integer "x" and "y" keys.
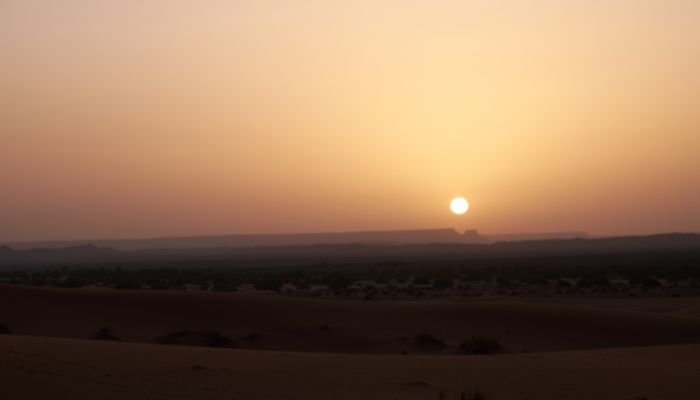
{"x": 586, "y": 347}
{"x": 343, "y": 326}
{"x": 50, "y": 368}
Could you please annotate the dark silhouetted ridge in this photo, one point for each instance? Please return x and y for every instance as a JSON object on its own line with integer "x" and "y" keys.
{"x": 353, "y": 252}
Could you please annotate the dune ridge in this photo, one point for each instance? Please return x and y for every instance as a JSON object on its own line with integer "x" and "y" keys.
{"x": 34, "y": 368}
{"x": 304, "y": 324}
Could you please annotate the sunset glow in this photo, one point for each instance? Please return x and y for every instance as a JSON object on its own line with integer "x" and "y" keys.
{"x": 152, "y": 118}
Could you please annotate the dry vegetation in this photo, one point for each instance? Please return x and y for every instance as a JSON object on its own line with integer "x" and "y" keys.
{"x": 562, "y": 277}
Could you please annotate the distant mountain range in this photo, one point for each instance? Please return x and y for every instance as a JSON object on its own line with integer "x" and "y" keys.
{"x": 384, "y": 246}
{"x": 424, "y": 236}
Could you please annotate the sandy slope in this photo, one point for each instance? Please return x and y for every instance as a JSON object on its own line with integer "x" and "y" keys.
{"x": 684, "y": 306}
{"x": 296, "y": 324}
{"x": 46, "y": 368}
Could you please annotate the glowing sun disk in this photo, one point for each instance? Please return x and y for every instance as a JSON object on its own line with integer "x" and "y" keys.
{"x": 459, "y": 205}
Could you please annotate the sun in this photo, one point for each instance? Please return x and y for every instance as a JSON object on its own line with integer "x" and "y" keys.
{"x": 459, "y": 205}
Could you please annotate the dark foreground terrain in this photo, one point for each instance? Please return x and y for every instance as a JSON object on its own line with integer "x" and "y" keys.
{"x": 564, "y": 319}
{"x": 42, "y": 368}
{"x": 274, "y": 322}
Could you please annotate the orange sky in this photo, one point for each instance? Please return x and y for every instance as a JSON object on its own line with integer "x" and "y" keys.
{"x": 162, "y": 117}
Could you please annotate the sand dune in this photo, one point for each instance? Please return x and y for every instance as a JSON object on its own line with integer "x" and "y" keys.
{"x": 685, "y": 307}
{"x": 44, "y": 368}
{"x": 284, "y": 323}
{"x": 299, "y": 348}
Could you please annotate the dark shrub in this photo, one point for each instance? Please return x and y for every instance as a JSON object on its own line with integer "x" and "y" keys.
{"x": 481, "y": 345}
{"x": 325, "y": 327}
{"x": 252, "y": 337}
{"x": 427, "y": 341}
{"x": 105, "y": 334}
{"x": 193, "y": 338}
{"x": 5, "y": 330}
{"x": 475, "y": 395}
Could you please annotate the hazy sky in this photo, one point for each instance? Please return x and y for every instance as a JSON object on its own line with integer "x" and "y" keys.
{"x": 162, "y": 117}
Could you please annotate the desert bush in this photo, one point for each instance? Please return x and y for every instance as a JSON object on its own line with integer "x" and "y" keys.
{"x": 105, "y": 334}
{"x": 427, "y": 341}
{"x": 481, "y": 345}
{"x": 5, "y": 330}
{"x": 252, "y": 337}
{"x": 474, "y": 395}
{"x": 325, "y": 327}
{"x": 194, "y": 338}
